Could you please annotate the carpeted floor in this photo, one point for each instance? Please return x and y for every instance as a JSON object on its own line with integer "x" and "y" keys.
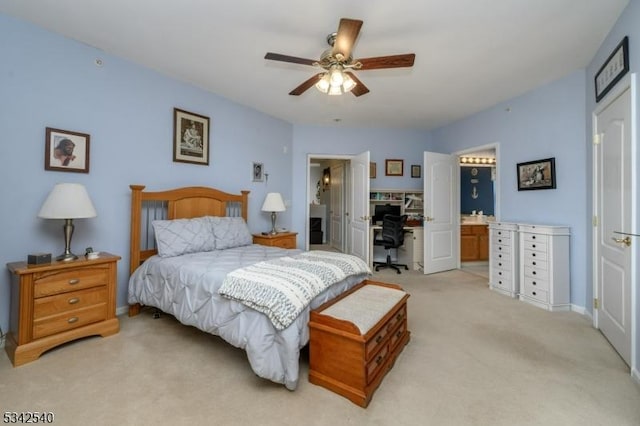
{"x": 475, "y": 358}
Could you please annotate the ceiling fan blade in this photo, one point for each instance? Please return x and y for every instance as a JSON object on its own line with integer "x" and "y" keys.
{"x": 306, "y": 85}
{"x": 286, "y": 58}
{"x": 394, "y": 61}
{"x": 360, "y": 89}
{"x": 347, "y": 33}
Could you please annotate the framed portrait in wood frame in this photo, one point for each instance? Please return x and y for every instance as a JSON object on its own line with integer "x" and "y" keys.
{"x": 190, "y": 137}
{"x": 66, "y": 151}
{"x": 372, "y": 170}
{"x": 394, "y": 167}
{"x": 538, "y": 174}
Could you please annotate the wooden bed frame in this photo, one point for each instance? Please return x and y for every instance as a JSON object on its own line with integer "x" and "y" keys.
{"x": 178, "y": 203}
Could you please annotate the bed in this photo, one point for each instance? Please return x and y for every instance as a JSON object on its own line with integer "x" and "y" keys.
{"x": 191, "y": 250}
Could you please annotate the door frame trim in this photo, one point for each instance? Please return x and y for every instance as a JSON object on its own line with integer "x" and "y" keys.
{"x": 627, "y": 82}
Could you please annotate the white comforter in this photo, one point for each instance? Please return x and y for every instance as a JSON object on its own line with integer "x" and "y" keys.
{"x": 187, "y": 287}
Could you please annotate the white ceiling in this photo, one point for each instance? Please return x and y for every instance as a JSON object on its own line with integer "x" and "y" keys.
{"x": 470, "y": 54}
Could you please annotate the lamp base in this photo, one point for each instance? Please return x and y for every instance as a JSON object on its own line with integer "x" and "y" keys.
{"x": 65, "y": 257}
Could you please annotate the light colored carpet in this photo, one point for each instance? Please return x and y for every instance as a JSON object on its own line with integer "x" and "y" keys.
{"x": 475, "y": 358}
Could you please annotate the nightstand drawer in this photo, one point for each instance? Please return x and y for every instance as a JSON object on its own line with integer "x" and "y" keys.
{"x": 69, "y": 280}
{"x": 288, "y": 243}
{"x": 69, "y": 320}
{"x": 65, "y": 302}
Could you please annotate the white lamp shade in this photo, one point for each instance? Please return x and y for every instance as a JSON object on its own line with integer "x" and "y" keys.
{"x": 273, "y": 203}
{"x": 67, "y": 201}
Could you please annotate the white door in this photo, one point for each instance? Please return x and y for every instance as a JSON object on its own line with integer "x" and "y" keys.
{"x": 336, "y": 212}
{"x": 359, "y": 217}
{"x": 441, "y": 228}
{"x": 614, "y": 189}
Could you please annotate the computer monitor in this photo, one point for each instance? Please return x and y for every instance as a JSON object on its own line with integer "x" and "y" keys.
{"x": 383, "y": 209}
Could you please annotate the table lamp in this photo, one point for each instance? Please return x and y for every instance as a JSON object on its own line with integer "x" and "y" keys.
{"x": 67, "y": 201}
{"x": 273, "y": 203}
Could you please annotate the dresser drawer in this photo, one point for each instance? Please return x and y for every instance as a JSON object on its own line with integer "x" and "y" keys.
{"x": 531, "y": 237}
{"x": 501, "y": 249}
{"x": 534, "y": 245}
{"x": 69, "y": 280}
{"x": 530, "y": 255}
{"x": 501, "y": 239}
{"x": 287, "y": 243}
{"x": 536, "y": 293}
{"x": 65, "y": 302}
{"x": 69, "y": 320}
{"x": 535, "y": 263}
{"x": 378, "y": 361}
{"x": 497, "y": 256}
{"x": 502, "y": 264}
{"x": 373, "y": 344}
{"x": 501, "y": 281}
{"x": 536, "y": 283}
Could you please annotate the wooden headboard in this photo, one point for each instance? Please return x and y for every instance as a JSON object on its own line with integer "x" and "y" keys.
{"x": 179, "y": 203}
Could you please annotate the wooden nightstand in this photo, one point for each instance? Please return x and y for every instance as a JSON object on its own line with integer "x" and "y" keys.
{"x": 283, "y": 240}
{"x": 58, "y": 302}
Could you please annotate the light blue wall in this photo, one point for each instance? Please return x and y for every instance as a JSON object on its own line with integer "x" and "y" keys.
{"x": 546, "y": 122}
{"x": 50, "y": 81}
{"x": 407, "y": 145}
{"x": 627, "y": 25}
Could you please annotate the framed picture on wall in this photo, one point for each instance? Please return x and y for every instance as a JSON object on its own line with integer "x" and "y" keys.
{"x": 66, "y": 151}
{"x": 539, "y": 174}
{"x": 415, "y": 170}
{"x": 190, "y": 137}
{"x": 394, "y": 167}
{"x": 257, "y": 172}
{"x": 372, "y": 170}
{"x": 613, "y": 69}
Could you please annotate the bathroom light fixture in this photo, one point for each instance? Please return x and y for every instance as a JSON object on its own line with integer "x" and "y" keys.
{"x": 477, "y": 160}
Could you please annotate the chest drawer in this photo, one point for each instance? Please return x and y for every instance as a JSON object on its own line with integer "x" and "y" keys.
{"x": 373, "y": 344}
{"x": 69, "y": 280}
{"x": 69, "y": 320}
{"x": 536, "y": 283}
{"x": 65, "y": 302}
{"x": 531, "y": 255}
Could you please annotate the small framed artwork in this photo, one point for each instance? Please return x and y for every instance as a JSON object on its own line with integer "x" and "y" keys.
{"x": 257, "y": 172}
{"x": 190, "y": 137}
{"x": 394, "y": 167}
{"x": 613, "y": 69}
{"x": 539, "y": 174}
{"x": 372, "y": 170}
{"x": 66, "y": 151}
{"x": 415, "y": 170}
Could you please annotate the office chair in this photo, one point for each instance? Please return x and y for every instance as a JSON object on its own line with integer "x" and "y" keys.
{"x": 392, "y": 238}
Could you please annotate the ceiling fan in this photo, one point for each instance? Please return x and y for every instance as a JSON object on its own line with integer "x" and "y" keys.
{"x": 337, "y": 63}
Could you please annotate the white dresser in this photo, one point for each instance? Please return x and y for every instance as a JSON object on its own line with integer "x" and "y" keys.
{"x": 544, "y": 266}
{"x": 503, "y": 258}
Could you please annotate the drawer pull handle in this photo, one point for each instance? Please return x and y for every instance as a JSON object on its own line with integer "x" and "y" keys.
{"x": 533, "y": 237}
{"x": 398, "y": 317}
{"x": 500, "y": 264}
{"x": 533, "y": 254}
{"x": 379, "y": 338}
{"x": 72, "y": 320}
{"x": 499, "y": 240}
{"x": 399, "y": 333}
{"x": 533, "y": 245}
{"x": 533, "y": 263}
{"x": 74, "y": 300}
{"x": 534, "y": 293}
{"x": 533, "y": 272}
{"x": 500, "y": 282}
{"x": 534, "y": 283}
{"x": 74, "y": 281}
{"x": 379, "y": 359}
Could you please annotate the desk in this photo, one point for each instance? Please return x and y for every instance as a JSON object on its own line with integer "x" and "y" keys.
{"x": 411, "y": 253}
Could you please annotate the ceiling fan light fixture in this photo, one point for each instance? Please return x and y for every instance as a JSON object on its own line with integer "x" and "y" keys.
{"x": 348, "y": 83}
{"x": 323, "y": 84}
{"x": 335, "y": 90}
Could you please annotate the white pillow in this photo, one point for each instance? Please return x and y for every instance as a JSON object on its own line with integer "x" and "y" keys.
{"x": 230, "y": 232}
{"x": 181, "y": 236}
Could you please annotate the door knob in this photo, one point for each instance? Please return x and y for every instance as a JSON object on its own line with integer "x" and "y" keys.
{"x": 428, "y": 219}
{"x": 626, "y": 240}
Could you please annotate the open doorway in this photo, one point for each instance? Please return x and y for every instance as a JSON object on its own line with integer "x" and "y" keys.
{"x": 479, "y": 205}
{"x": 327, "y": 198}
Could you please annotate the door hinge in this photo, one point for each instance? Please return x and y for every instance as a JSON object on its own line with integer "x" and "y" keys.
{"x": 594, "y": 221}
{"x": 597, "y": 139}
{"x": 596, "y": 305}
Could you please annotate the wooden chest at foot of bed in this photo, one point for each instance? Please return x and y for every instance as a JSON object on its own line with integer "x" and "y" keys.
{"x": 356, "y": 338}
